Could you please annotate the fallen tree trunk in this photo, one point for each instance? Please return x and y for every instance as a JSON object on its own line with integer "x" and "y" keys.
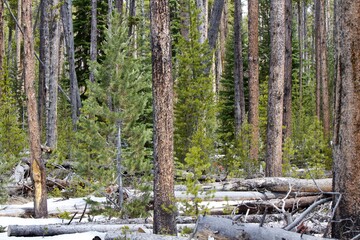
{"x": 58, "y": 229}
{"x": 140, "y": 236}
{"x": 273, "y": 184}
{"x": 219, "y": 228}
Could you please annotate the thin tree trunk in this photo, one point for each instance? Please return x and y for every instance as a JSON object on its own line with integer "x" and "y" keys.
{"x": 2, "y": 41}
{"x": 52, "y": 86}
{"x": 184, "y": 19}
{"x": 346, "y": 148}
{"x": 44, "y": 57}
{"x": 318, "y": 58}
{"x": 287, "y": 121}
{"x": 93, "y": 40}
{"x": 37, "y": 164}
{"x": 276, "y": 89}
{"x": 66, "y": 10}
{"x": 202, "y": 20}
{"x": 18, "y": 38}
{"x": 238, "y": 69}
{"x": 253, "y": 28}
{"x": 164, "y": 200}
{"x": 301, "y": 42}
{"x": 324, "y": 76}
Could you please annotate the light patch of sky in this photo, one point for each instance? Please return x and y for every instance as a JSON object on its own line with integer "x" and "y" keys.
{"x": 244, "y": 6}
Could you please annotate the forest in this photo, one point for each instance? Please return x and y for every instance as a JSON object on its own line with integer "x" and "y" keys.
{"x": 159, "y": 105}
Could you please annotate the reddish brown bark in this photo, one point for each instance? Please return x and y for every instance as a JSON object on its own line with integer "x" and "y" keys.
{"x": 346, "y": 150}
{"x": 164, "y": 200}
{"x": 37, "y": 164}
{"x": 253, "y": 28}
{"x": 276, "y": 89}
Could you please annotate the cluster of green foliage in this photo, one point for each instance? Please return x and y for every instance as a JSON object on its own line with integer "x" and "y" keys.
{"x": 12, "y": 137}
{"x": 120, "y": 97}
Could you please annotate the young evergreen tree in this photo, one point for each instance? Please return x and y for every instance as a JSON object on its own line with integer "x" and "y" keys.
{"x": 120, "y": 97}
{"x": 194, "y": 108}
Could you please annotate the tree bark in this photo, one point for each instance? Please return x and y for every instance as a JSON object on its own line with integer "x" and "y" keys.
{"x": 318, "y": 58}
{"x": 202, "y": 20}
{"x": 276, "y": 89}
{"x": 287, "y": 121}
{"x": 119, "y": 6}
{"x": 66, "y": 12}
{"x": 225, "y": 229}
{"x": 19, "y": 38}
{"x": 164, "y": 205}
{"x": 346, "y": 139}
{"x": 44, "y": 57}
{"x": 253, "y": 28}
{"x": 52, "y": 83}
{"x": 300, "y": 39}
{"x": 238, "y": 69}
{"x": 37, "y": 163}
{"x": 93, "y": 36}
{"x": 2, "y": 41}
{"x": 215, "y": 22}
{"x": 324, "y": 76}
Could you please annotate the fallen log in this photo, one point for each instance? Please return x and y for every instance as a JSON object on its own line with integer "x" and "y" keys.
{"x": 140, "y": 236}
{"x": 59, "y": 229}
{"x": 273, "y": 184}
{"x": 219, "y": 228}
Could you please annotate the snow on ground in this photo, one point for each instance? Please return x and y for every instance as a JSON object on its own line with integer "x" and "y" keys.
{"x": 54, "y": 205}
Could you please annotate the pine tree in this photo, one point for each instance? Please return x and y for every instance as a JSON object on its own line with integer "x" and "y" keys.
{"x": 120, "y": 97}
{"x": 194, "y": 108}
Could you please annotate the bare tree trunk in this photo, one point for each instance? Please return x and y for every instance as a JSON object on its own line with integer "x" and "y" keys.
{"x": 318, "y": 57}
{"x": 119, "y": 6}
{"x": 215, "y": 22}
{"x": 276, "y": 89}
{"x": 324, "y": 76}
{"x": 288, "y": 72}
{"x": 37, "y": 164}
{"x": 301, "y": 42}
{"x": 238, "y": 69}
{"x": 66, "y": 10}
{"x": 253, "y": 28}
{"x": 2, "y": 41}
{"x": 346, "y": 139}
{"x": 18, "y": 38}
{"x": 164, "y": 200}
{"x": 93, "y": 40}
{"x": 52, "y": 84}
{"x": 44, "y": 57}
{"x": 202, "y": 21}
{"x": 184, "y": 19}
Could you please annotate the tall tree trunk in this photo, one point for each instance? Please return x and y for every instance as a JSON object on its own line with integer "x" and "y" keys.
{"x": 238, "y": 69}
{"x": 202, "y": 20}
{"x": 2, "y": 40}
{"x": 93, "y": 36}
{"x": 215, "y": 22}
{"x": 346, "y": 139}
{"x": 253, "y": 28}
{"x": 37, "y": 164}
{"x": 288, "y": 71}
{"x": 44, "y": 65}
{"x": 318, "y": 57}
{"x": 164, "y": 204}
{"x": 18, "y": 38}
{"x": 184, "y": 19}
{"x": 132, "y": 26}
{"x": 324, "y": 76}
{"x": 276, "y": 89}
{"x": 52, "y": 83}
{"x": 119, "y": 6}
{"x": 301, "y": 42}
{"x": 66, "y": 13}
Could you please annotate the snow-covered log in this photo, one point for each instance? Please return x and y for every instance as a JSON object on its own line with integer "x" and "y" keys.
{"x": 273, "y": 184}
{"x": 140, "y": 236}
{"x": 219, "y": 228}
